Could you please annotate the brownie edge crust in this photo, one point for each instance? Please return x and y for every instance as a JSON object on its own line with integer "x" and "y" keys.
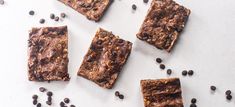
{"x": 105, "y": 58}
{"x": 163, "y": 24}
{"x": 162, "y": 93}
{"x": 48, "y": 54}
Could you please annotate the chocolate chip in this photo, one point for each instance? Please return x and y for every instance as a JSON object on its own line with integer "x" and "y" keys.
{"x": 117, "y": 93}
{"x": 190, "y": 72}
{"x": 42, "y": 89}
{"x": 62, "y": 104}
{"x": 228, "y": 92}
{"x": 184, "y": 72}
{"x": 121, "y": 96}
{"x": 229, "y": 97}
{"x": 31, "y": 12}
{"x": 162, "y": 66}
{"x": 35, "y": 97}
{"x": 42, "y": 21}
{"x": 134, "y": 7}
{"x": 169, "y": 71}
{"x": 158, "y": 60}
{"x": 49, "y": 98}
{"x": 39, "y": 105}
{"x": 48, "y": 102}
{"x": 57, "y": 18}
{"x": 66, "y": 100}
{"x": 63, "y": 15}
{"x": 2, "y": 2}
{"x": 193, "y": 105}
{"x": 35, "y": 102}
{"x": 213, "y": 88}
{"x": 146, "y": 1}
{"x": 193, "y": 100}
{"x": 49, "y": 93}
{"x": 52, "y": 16}
{"x": 72, "y": 106}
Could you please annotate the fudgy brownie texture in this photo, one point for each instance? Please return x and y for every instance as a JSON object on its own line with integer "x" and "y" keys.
{"x": 48, "y": 54}
{"x": 163, "y": 24}
{"x": 105, "y": 58}
{"x": 92, "y": 9}
{"x": 162, "y": 93}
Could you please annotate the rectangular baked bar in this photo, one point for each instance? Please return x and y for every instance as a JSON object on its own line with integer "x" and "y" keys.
{"x": 48, "y": 54}
{"x": 162, "y": 93}
{"x": 105, "y": 58}
{"x": 163, "y": 24}
{"x": 92, "y": 9}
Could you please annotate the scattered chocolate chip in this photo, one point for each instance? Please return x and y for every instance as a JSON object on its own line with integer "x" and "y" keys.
{"x": 134, "y": 7}
{"x": 190, "y": 72}
{"x": 146, "y": 1}
{"x": 229, "y": 97}
{"x": 39, "y": 105}
{"x": 184, "y": 72}
{"x": 49, "y": 93}
{"x": 49, "y": 98}
{"x": 35, "y": 102}
{"x": 62, "y": 104}
{"x": 117, "y": 93}
{"x": 35, "y": 97}
{"x": 42, "y": 89}
{"x": 169, "y": 71}
{"x": 52, "y": 16}
{"x": 31, "y": 12}
{"x": 66, "y": 100}
{"x": 72, "y": 106}
{"x": 48, "y": 102}
{"x": 158, "y": 60}
{"x": 193, "y": 100}
{"x": 193, "y": 105}
{"x": 213, "y": 88}
{"x": 121, "y": 96}
{"x": 63, "y": 15}
{"x": 228, "y": 92}
{"x": 2, "y": 2}
{"x": 42, "y": 21}
{"x": 57, "y": 18}
{"x": 162, "y": 66}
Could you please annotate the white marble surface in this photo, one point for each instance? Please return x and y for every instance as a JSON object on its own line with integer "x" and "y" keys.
{"x": 207, "y": 46}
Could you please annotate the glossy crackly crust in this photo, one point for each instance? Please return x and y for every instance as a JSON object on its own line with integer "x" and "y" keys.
{"x": 92, "y": 9}
{"x": 162, "y": 93}
{"x": 105, "y": 59}
{"x": 48, "y": 54}
{"x": 163, "y": 24}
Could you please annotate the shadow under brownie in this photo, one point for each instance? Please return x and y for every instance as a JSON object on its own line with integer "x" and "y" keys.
{"x": 48, "y": 54}
{"x": 105, "y": 58}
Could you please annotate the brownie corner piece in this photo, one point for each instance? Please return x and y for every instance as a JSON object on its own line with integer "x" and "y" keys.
{"x": 163, "y": 24}
{"x": 92, "y": 9}
{"x": 48, "y": 54}
{"x": 105, "y": 59}
{"x": 162, "y": 92}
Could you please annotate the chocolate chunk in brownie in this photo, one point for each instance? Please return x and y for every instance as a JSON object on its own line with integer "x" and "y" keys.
{"x": 48, "y": 54}
{"x": 163, "y": 24}
{"x": 92, "y": 9}
{"x": 105, "y": 58}
{"x": 162, "y": 93}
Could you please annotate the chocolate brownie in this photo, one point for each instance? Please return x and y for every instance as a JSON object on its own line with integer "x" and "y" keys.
{"x": 92, "y": 9}
{"x": 163, "y": 24}
{"x": 162, "y": 93}
{"x": 48, "y": 54}
{"x": 105, "y": 58}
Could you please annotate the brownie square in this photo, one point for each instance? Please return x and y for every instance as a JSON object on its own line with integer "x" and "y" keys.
{"x": 92, "y": 9}
{"x": 163, "y": 24}
{"x": 48, "y": 54}
{"x": 105, "y": 58}
{"x": 162, "y": 93}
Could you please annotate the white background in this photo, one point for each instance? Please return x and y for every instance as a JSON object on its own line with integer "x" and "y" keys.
{"x": 207, "y": 46}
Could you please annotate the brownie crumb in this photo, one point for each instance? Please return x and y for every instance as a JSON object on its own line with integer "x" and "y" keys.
{"x": 117, "y": 93}
{"x": 49, "y": 93}
{"x": 66, "y": 100}
{"x": 213, "y": 88}
{"x": 35, "y": 102}
{"x": 52, "y": 16}
{"x": 39, "y": 105}
{"x": 63, "y": 15}
{"x": 193, "y": 100}
{"x": 31, "y": 12}
{"x": 48, "y": 102}
{"x": 35, "y": 97}
{"x": 228, "y": 92}
{"x": 184, "y": 72}
{"x": 162, "y": 66}
{"x": 190, "y": 72}
{"x": 62, "y": 104}
{"x": 42, "y": 21}
{"x": 158, "y": 60}
{"x": 49, "y": 98}
{"x": 121, "y": 96}
{"x": 42, "y": 89}
{"x": 134, "y": 7}
{"x": 57, "y": 18}
{"x": 229, "y": 97}
{"x": 169, "y": 71}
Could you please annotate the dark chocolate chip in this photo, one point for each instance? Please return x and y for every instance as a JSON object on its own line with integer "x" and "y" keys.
{"x": 72, "y": 106}
{"x": 134, "y": 7}
{"x": 117, "y": 93}
{"x": 66, "y": 100}
{"x": 146, "y": 1}
{"x": 158, "y": 60}
{"x": 2, "y": 2}
{"x": 190, "y": 72}
{"x": 57, "y": 18}
{"x": 62, "y": 104}
{"x": 162, "y": 66}
{"x": 228, "y": 92}
{"x": 169, "y": 71}
{"x": 49, "y": 93}
{"x": 42, "y": 89}
{"x": 213, "y": 88}
{"x": 35, "y": 97}
{"x": 193, "y": 100}
{"x": 63, "y": 15}
{"x": 31, "y": 12}
{"x": 121, "y": 96}
{"x": 52, "y": 16}
{"x": 184, "y": 72}
{"x": 229, "y": 97}
{"x": 193, "y": 105}
{"x": 42, "y": 21}
{"x": 39, "y": 105}
{"x": 49, "y": 98}
{"x": 35, "y": 102}
{"x": 48, "y": 102}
